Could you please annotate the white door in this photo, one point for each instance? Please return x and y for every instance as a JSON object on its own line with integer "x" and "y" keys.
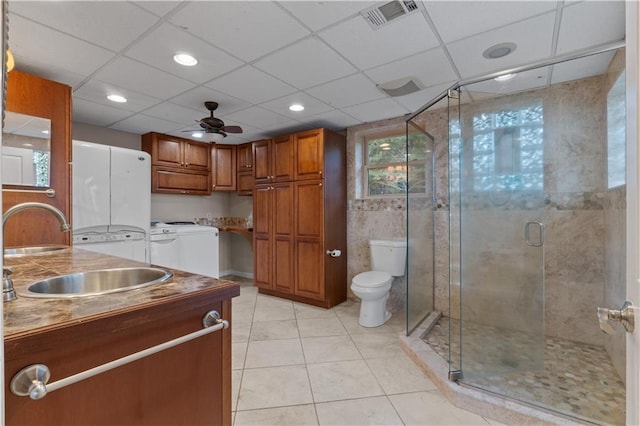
{"x": 633, "y": 208}
{"x": 90, "y": 185}
{"x": 17, "y": 166}
{"x": 130, "y": 188}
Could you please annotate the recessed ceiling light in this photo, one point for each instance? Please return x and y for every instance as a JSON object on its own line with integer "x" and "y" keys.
{"x": 46, "y": 132}
{"x": 197, "y": 134}
{"x": 296, "y": 107}
{"x": 504, "y": 77}
{"x": 185, "y": 59}
{"x": 117, "y": 98}
{"x": 27, "y": 144}
{"x": 499, "y": 50}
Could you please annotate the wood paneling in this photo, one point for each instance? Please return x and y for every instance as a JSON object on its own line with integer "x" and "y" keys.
{"x": 31, "y": 95}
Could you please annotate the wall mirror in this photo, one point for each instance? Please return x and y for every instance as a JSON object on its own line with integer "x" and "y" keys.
{"x": 26, "y": 149}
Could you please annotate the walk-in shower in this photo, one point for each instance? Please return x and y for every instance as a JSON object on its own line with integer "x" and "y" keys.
{"x": 528, "y": 233}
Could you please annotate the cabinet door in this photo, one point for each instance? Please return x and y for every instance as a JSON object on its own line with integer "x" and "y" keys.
{"x": 245, "y": 157}
{"x": 167, "y": 151}
{"x": 282, "y": 159}
{"x": 197, "y": 155}
{"x": 223, "y": 167}
{"x": 309, "y": 251}
{"x": 262, "y": 161}
{"x": 262, "y": 236}
{"x": 245, "y": 183}
{"x": 173, "y": 181}
{"x": 309, "y": 155}
{"x": 283, "y": 237}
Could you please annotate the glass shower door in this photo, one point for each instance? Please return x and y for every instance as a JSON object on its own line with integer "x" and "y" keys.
{"x": 420, "y": 231}
{"x": 501, "y": 234}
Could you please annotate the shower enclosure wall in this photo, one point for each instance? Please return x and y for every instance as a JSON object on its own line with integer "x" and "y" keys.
{"x": 529, "y": 231}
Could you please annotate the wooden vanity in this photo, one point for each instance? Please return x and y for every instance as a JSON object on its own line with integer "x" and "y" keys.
{"x": 188, "y": 384}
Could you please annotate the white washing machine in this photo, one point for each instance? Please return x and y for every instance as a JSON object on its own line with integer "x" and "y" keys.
{"x": 187, "y": 247}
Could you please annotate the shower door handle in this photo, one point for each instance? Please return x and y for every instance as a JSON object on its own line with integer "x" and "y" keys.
{"x": 527, "y": 234}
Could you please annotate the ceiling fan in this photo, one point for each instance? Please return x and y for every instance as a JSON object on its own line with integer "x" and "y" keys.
{"x": 214, "y": 127}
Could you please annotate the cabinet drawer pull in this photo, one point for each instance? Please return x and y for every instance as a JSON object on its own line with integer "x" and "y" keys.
{"x": 32, "y": 380}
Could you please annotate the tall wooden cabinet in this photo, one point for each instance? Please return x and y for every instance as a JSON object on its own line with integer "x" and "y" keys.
{"x": 299, "y": 215}
{"x": 223, "y": 167}
{"x": 244, "y": 168}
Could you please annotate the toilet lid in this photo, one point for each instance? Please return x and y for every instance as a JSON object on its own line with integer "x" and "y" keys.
{"x": 372, "y": 278}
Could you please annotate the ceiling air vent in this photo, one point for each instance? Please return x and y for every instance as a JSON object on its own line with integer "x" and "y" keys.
{"x": 378, "y": 16}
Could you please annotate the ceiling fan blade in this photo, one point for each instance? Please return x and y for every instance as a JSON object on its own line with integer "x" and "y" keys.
{"x": 232, "y": 129}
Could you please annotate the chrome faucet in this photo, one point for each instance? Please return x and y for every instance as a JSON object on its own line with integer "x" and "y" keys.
{"x": 8, "y": 292}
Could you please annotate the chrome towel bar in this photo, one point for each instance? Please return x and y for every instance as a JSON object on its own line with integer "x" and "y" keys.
{"x": 50, "y": 192}
{"x": 32, "y": 380}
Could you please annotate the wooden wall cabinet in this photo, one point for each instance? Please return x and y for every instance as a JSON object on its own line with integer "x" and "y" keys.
{"x": 179, "y": 166}
{"x": 244, "y": 168}
{"x": 31, "y": 95}
{"x": 223, "y": 167}
{"x": 296, "y": 221}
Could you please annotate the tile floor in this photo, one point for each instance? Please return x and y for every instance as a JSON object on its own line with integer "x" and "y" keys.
{"x": 294, "y": 364}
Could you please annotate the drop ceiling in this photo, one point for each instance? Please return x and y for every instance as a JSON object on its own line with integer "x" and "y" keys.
{"x": 256, "y": 58}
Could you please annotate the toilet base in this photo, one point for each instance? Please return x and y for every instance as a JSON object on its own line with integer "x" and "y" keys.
{"x": 373, "y": 313}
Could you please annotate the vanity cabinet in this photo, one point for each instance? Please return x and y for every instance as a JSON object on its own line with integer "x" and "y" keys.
{"x": 35, "y": 96}
{"x": 223, "y": 167}
{"x": 296, "y": 221}
{"x": 187, "y": 384}
{"x": 179, "y": 166}
{"x": 244, "y": 169}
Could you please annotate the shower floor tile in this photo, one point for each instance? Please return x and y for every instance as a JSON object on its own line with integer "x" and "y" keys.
{"x": 572, "y": 378}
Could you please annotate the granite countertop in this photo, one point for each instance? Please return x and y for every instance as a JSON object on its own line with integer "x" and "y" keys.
{"x": 28, "y": 314}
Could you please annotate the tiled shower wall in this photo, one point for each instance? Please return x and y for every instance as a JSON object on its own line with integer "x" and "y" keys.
{"x": 575, "y": 209}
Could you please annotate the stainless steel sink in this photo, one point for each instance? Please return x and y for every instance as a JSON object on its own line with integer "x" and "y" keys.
{"x": 97, "y": 282}
{"x": 32, "y": 250}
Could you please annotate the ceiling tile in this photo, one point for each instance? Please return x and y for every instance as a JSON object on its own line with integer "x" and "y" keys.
{"x": 176, "y": 113}
{"x": 251, "y": 85}
{"x": 579, "y": 21}
{"x": 307, "y": 63}
{"x": 582, "y": 68}
{"x": 158, "y": 48}
{"x": 334, "y": 120}
{"x": 110, "y": 24}
{"x": 99, "y": 115}
{"x": 141, "y": 124}
{"x": 196, "y": 98}
{"x": 532, "y": 37}
{"x": 319, "y": 14}
{"x": 311, "y": 105}
{"x": 455, "y": 20}
{"x": 159, "y": 8}
{"x": 376, "y": 110}
{"x": 366, "y": 48}
{"x": 247, "y": 29}
{"x": 144, "y": 79}
{"x": 430, "y": 68}
{"x": 49, "y": 51}
{"x": 260, "y": 118}
{"x": 523, "y": 81}
{"x": 415, "y": 101}
{"x": 96, "y": 91}
{"x": 352, "y": 90}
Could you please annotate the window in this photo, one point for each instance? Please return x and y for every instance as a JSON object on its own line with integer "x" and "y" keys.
{"x": 385, "y": 165}
{"x": 616, "y": 133}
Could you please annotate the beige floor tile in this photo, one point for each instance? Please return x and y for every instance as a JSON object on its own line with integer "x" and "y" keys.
{"x": 240, "y": 332}
{"x": 272, "y": 330}
{"x": 366, "y": 411}
{"x": 332, "y": 381}
{"x": 242, "y": 314}
{"x": 274, "y": 387}
{"x": 329, "y": 349}
{"x": 274, "y": 313}
{"x": 431, "y": 408}
{"x": 264, "y": 300}
{"x": 347, "y": 308}
{"x": 238, "y": 355}
{"x": 296, "y": 415}
{"x": 385, "y": 345}
{"x": 318, "y": 328}
{"x": 271, "y": 353}
{"x": 307, "y": 311}
{"x": 399, "y": 375}
{"x": 353, "y": 327}
{"x": 236, "y": 378}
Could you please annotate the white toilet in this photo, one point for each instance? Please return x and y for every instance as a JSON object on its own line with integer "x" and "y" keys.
{"x": 372, "y": 287}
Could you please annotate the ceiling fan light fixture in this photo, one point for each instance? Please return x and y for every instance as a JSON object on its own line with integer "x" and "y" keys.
{"x": 117, "y": 98}
{"x": 185, "y": 59}
{"x": 197, "y": 134}
{"x": 213, "y": 137}
{"x": 296, "y": 107}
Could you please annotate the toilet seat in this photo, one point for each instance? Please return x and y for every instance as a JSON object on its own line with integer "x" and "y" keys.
{"x": 372, "y": 279}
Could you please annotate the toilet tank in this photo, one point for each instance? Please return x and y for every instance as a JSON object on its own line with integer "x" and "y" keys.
{"x": 388, "y": 256}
